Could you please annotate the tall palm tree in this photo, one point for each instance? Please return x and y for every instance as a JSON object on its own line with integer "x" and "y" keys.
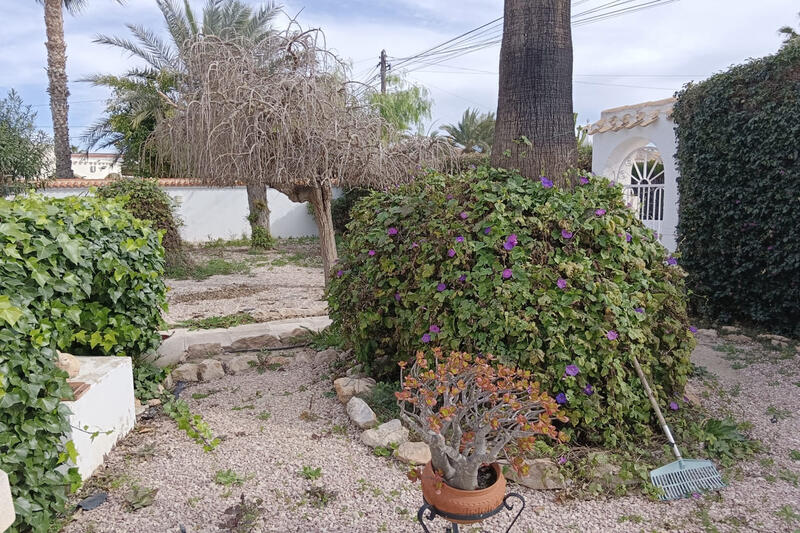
{"x": 473, "y": 133}
{"x": 57, "y": 78}
{"x": 148, "y": 94}
{"x": 534, "y": 130}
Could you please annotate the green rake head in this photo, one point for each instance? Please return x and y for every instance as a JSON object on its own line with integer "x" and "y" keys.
{"x": 683, "y": 478}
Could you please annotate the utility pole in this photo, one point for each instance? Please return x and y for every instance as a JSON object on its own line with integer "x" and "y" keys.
{"x": 384, "y": 68}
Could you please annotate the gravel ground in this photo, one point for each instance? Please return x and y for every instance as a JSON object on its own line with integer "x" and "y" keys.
{"x": 372, "y": 493}
{"x": 272, "y": 290}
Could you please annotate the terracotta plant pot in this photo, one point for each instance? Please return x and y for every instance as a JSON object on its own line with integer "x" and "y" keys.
{"x": 459, "y": 505}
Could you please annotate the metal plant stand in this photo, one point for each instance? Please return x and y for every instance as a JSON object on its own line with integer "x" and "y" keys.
{"x": 433, "y": 512}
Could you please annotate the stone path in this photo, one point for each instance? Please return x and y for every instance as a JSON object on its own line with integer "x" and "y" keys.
{"x": 283, "y": 422}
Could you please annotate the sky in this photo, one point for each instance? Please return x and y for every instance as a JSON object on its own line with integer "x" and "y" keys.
{"x": 633, "y": 58}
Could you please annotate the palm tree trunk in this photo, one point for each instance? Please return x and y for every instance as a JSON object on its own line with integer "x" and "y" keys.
{"x": 260, "y": 236}
{"x": 535, "y": 96}
{"x": 57, "y": 74}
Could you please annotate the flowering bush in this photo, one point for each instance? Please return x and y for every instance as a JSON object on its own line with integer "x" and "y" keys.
{"x": 566, "y": 284}
{"x": 469, "y": 412}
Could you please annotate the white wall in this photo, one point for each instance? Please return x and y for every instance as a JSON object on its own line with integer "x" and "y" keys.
{"x": 217, "y": 213}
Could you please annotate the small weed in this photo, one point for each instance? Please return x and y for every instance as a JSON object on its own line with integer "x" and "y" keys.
{"x": 227, "y": 243}
{"x": 213, "y": 322}
{"x": 632, "y": 518}
{"x": 777, "y": 413}
{"x": 385, "y": 451}
{"x": 727, "y": 348}
{"x": 701, "y": 372}
{"x": 242, "y": 407}
{"x": 789, "y": 477}
{"x": 788, "y": 514}
{"x": 243, "y": 516}
{"x": 794, "y": 455}
{"x": 264, "y": 415}
{"x": 145, "y": 452}
{"x": 319, "y": 496}
{"x": 201, "y": 395}
{"x": 261, "y": 364}
{"x": 329, "y": 394}
{"x": 311, "y": 473}
{"x": 192, "y": 502}
{"x": 138, "y": 497}
{"x": 736, "y": 390}
{"x": 383, "y": 401}
{"x": 302, "y": 388}
{"x": 339, "y": 429}
{"x": 738, "y": 365}
{"x": 228, "y": 478}
{"x": 308, "y": 416}
{"x": 327, "y": 338}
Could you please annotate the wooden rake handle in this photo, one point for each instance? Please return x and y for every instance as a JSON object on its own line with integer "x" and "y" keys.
{"x": 657, "y": 409}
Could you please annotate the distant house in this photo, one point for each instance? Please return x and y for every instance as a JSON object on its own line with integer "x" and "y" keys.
{"x": 96, "y": 166}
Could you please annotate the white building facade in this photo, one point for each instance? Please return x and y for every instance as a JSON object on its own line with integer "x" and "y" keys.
{"x": 96, "y": 166}
{"x": 635, "y": 145}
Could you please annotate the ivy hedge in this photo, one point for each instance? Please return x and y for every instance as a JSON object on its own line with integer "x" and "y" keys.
{"x": 739, "y": 160}
{"x": 83, "y": 275}
{"x": 565, "y": 283}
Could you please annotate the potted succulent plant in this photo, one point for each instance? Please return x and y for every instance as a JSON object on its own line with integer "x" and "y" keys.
{"x": 471, "y": 411}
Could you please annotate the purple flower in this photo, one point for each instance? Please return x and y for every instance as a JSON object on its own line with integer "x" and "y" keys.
{"x": 472, "y": 167}
{"x": 562, "y": 460}
{"x": 392, "y": 231}
{"x": 672, "y": 261}
{"x": 628, "y": 237}
{"x": 434, "y": 328}
{"x": 696, "y": 495}
{"x": 414, "y": 245}
{"x": 612, "y": 335}
{"x": 397, "y": 296}
{"x": 562, "y": 283}
{"x": 511, "y": 242}
{"x": 339, "y": 273}
{"x": 599, "y": 212}
{"x": 426, "y": 337}
{"x": 371, "y": 253}
{"x": 459, "y": 239}
{"x": 449, "y": 196}
{"x": 566, "y": 234}
{"x": 639, "y": 309}
{"x": 462, "y": 278}
{"x": 673, "y": 406}
{"x": 487, "y": 230}
{"x": 693, "y": 329}
{"x": 572, "y": 370}
{"x": 588, "y": 390}
{"x": 546, "y": 183}
{"x": 506, "y": 273}
{"x": 440, "y": 287}
{"x": 583, "y": 180}
{"x": 451, "y": 252}
{"x": 561, "y": 398}
{"x": 463, "y": 215}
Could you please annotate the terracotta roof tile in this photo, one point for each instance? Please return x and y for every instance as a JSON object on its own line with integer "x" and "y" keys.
{"x": 80, "y": 183}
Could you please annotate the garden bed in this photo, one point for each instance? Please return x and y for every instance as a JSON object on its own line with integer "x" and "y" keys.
{"x": 281, "y": 425}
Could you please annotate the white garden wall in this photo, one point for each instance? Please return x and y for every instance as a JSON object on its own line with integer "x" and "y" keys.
{"x": 220, "y": 213}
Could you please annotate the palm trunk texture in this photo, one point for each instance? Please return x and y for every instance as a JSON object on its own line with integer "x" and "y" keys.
{"x": 57, "y": 74}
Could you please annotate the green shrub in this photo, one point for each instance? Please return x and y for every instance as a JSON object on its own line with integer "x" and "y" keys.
{"x": 340, "y": 207}
{"x": 147, "y": 201}
{"x": 739, "y": 163}
{"x": 427, "y": 263}
{"x": 83, "y": 275}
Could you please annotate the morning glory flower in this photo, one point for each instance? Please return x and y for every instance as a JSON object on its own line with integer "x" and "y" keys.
{"x": 566, "y": 234}
{"x": 397, "y": 296}
{"x": 639, "y": 309}
{"x": 472, "y": 167}
{"x": 339, "y": 273}
{"x": 561, "y": 398}
{"x": 673, "y": 406}
{"x": 672, "y": 261}
{"x": 434, "y": 328}
{"x": 562, "y": 283}
{"x": 588, "y": 390}
{"x": 426, "y": 337}
{"x": 572, "y": 370}
{"x": 463, "y": 215}
{"x": 628, "y": 237}
{"x": 693, "y": 329}
{"x": 511, "y": 242}
{"x": 462, "y": 278}
{"x": 449, "y": 196}
{"x": 487, "y": 230}
{"x": 506, "y": 273}
{"x": 459, "y": 239}
{"x": 546, "y": 183}
{"x": 392, "y": 231}
{"x": 414, "y": 245}
{"x": 562, "y": 460}
{"x": 451, "y": 252}
{"x": 440, "y": 287}
{"x": 583, "y": 180}
{"x": 371, "y": 252}
{"x": 612, "y": 335}
{"x": 600, "y": 212}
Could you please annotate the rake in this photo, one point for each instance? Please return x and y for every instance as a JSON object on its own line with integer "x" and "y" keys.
{"x": 683, "y": 477}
